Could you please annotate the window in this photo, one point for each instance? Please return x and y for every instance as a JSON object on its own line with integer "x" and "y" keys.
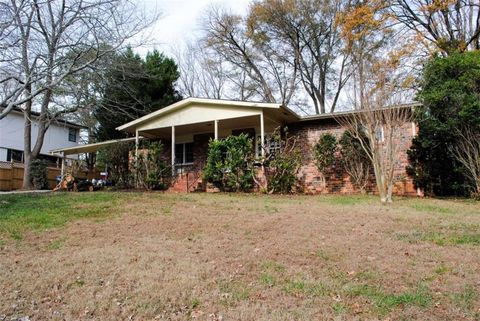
{"x": 14, "y": 156}
{"x": 189, "y": 153}
{"x": 271, "y": 146}
{"x": 184, "y": 153}
{"x": 72, "y": 135}
{"x": 379, "y": 135}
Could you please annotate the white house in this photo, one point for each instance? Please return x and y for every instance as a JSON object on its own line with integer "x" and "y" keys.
{"x": 60, "y": 134}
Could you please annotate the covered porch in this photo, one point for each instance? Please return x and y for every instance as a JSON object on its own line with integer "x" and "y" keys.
{"x": 185, "y": 128}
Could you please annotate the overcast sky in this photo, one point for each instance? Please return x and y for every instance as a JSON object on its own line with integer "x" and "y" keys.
{"x": 180, "y": 19}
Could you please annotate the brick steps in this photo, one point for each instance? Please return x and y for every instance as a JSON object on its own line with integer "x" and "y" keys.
{"x": 182, "y": 183}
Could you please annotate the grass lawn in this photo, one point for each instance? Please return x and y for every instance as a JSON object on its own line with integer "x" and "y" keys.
{"x": 156, "y": 256}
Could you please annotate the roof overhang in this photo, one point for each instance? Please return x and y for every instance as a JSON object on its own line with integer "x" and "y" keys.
{"x": 206, "y": 109}
{"x": 90, "y": 148}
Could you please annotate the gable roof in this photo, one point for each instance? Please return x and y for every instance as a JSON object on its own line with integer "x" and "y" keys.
{"x": 204, "y": 101}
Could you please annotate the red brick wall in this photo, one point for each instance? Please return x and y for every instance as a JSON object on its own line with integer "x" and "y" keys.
{"x": 337, "y": 180}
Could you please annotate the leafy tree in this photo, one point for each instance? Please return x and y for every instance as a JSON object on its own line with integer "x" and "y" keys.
{"x": 133, "y": 88}
{"x": 450, "y": 96}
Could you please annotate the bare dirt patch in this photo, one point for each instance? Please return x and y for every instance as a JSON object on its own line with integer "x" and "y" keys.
{"x": 250, "y": 257}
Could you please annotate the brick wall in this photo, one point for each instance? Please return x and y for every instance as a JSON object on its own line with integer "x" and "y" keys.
{"x": 337, "y": 180}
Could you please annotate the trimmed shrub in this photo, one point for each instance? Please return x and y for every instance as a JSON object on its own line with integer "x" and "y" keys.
{"x": 39, "y": 174}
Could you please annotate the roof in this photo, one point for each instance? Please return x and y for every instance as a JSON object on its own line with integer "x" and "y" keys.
{"x": 58, "y": 120}
{"x": 234, "y": 103}
{"x": 351, "y": 112}
{"x": 89, "y": 148}
{"x": 206, "y": 101}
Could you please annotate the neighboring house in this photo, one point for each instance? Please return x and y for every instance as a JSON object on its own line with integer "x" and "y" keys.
{"x": 60, "y": 134}
{"x": 186, "y": 127}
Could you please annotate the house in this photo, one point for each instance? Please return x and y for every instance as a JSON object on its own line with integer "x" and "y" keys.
{"x": 186, "y": 127}
{"x": 60, "y": 134}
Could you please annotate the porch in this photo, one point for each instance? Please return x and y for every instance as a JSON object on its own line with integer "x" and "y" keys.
{"x": 186, "y": 127}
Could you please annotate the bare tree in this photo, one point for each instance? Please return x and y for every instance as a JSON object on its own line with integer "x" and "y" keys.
{"x": 382, "y": 121}
{"x": 378, "y": 123}
{"x": 48, "y": 41}
{"x": 260, "y": 71}
{"x": 202, "y": 73}
{"x": 449, "y": 25}
{"x": 307, "y": 32}
{"x": 467, "y": 152}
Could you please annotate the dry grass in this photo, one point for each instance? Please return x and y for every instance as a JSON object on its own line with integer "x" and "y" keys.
{"x": 241, "y": 257}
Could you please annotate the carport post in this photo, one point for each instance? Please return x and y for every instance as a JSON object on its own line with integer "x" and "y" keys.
{"x": 216, "y": 128}
{"x": 262, "y": 134}
{"x": 62, "y": 170}
{"x": 136, "y": 158}
{"x": 173, "y": 150}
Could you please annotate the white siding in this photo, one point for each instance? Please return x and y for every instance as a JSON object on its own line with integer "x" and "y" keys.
{"x": 11, "y": 135}
{"x": 3, "y": 154}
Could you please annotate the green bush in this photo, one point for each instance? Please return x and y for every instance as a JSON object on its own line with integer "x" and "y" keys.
{"x": 152, "y": 170}
{"x": 229, "y": 163}
{"x": 39, "y": 173}
{"x": 325, "y": 150}
{"x": 355, "y": 160}
{"x": 281, "y": 166}
{"x": 116, "y": 159}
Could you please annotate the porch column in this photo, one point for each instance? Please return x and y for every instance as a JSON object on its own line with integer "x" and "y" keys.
{"x": 216, "y": 129}
{"x": 173, "y": 150}
{"x": 262, "y": 135}
{"x": 136, "y": 158}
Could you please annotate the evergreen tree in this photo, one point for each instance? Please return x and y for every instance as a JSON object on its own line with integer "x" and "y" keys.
{"x": 133, "y": 88}
{"x": 450, "y": 95}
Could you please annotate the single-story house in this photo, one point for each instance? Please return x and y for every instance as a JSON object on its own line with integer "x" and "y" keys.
{"x": 186, "y": 127}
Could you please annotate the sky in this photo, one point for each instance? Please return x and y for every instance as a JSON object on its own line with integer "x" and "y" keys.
{"x": 180, "y": 20}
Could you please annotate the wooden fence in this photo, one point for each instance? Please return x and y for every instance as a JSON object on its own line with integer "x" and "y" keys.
{"x": 11, "y": 176}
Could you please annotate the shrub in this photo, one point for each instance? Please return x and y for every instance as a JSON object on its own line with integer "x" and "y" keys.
{"x": 151, "y": 169}
{"x": 116, "y": 159}
{"x": 229, "y": 163}
{"x": 355, "y": 161}
{"x": 38, "y": 174}
{"x": 325, "y": 150}
{"x": 280, "y": 166}
{"x": 324, "y": 153}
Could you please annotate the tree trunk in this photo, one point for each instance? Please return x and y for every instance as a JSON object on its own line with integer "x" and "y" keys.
{"x": 29, "y": 154}
{"x": 27, "y": 143}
